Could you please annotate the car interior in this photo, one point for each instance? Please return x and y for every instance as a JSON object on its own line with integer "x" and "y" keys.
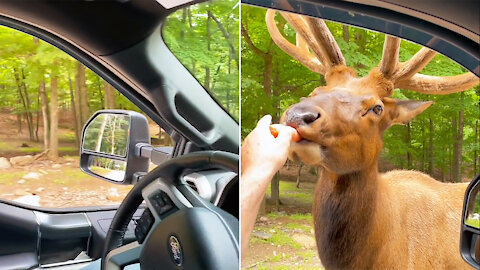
{"x": 197, "y": 187}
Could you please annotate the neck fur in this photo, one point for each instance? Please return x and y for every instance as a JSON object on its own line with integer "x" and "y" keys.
{"x": 343, "y": 212}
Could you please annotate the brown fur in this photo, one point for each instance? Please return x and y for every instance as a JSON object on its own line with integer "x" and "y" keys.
{"x": 363, "y": 219}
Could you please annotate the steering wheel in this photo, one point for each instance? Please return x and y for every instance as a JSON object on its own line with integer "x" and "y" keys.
{"x": 183, "y": 230}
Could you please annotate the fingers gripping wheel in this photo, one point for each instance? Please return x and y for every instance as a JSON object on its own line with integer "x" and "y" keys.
{"x": 187, "y": 231}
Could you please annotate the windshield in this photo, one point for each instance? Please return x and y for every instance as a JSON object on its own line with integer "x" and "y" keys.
{"x": 204, "y": 38}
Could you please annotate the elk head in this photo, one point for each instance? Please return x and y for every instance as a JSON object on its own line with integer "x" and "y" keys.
{"x": 342, "y": 123}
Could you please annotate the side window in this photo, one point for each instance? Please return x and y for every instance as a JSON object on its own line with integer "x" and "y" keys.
{"x": 204, "y": 37}
{"x": 443, "y": 141}
{"x": 45, "y": 98}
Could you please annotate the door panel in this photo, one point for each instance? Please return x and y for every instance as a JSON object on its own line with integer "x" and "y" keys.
{"x": 30, "y": 238}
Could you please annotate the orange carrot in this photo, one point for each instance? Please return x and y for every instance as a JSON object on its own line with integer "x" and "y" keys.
{"x": 274, "y": 131}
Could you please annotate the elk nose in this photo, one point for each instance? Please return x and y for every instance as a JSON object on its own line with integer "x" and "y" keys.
{"x": 299, "y": 117}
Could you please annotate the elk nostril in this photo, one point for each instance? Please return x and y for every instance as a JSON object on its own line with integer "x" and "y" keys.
{"x": 310, "y": 117}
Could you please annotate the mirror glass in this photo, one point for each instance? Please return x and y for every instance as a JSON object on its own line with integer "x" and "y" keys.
{"x": 109, "y": 168}
{"x": 472, "y": 217}
{"x": 108, "y": 134}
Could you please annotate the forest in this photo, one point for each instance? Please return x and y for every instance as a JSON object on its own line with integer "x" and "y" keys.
{"x": 444, "y": 141}
{"x": 205, "y": 39}
{"x": 41, "y": 85}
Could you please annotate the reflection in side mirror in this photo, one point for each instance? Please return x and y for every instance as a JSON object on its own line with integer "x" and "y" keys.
{"x": 472, "y": 217}
{"x": 107, "y": 134}
{"x": 109, "y": 168}
{"x": 470, "y": 230}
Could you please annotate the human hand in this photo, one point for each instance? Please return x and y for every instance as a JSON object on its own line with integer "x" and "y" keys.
{"x": 264, "y": 154}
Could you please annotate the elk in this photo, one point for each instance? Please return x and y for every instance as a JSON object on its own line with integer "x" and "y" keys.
{"x": 364, "y": 219}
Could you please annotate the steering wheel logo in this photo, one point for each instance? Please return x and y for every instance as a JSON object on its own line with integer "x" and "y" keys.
{"x": 175, "y": 250}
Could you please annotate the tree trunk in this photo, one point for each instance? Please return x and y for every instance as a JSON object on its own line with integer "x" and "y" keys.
{"x": 228, "y": 37}
{"x": 109, "y": 96}
{"x": 454, "y": 164}
{"x": 300, "y": 165}
{"x": 19, "y": 122}
{"x": 430, "y": 148}
{"x": 408, "y": 141}
{"x": 477, "y": 145}
{"x": 207, "y": 69}
{"x": 461, "y": 124}
{"x": 74, "y": 112}
{"x": 37, "y": 125}
{"x": 82, "y": 97}
{"x": 112, "y": 132}
{"x": 346, "y": 34}
{"x": 23, "y": 95}
{"x": 45, "y": 116}
{"x": 275, "y": 190}
{"x": 28, "y": 108}
{"x": 53, "y": 153}
{"x": 457, "y": 145}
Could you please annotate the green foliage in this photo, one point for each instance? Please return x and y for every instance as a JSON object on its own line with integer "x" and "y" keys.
{"x": 291, "y": 81}
{"x": 204, "y": 37}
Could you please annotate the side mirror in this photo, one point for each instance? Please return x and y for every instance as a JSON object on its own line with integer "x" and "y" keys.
{"x": 108, "y": 149}
{"x": 470, "y": 231}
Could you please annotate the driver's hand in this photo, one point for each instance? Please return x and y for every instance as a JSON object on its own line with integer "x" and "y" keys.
{"x": 262, "y": 153}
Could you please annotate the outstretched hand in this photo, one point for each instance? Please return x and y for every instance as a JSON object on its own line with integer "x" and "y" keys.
{"x": 262, "y": 152}
{"x": 262, "y": 156}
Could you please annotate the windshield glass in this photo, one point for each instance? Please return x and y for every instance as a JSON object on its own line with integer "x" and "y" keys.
{"x": 204, "y": 38}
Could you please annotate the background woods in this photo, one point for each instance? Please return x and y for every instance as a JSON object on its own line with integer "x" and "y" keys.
{"x": 205, "y": 39}
{"x": 444, "y": 141}
{"x": 50, "y": 95}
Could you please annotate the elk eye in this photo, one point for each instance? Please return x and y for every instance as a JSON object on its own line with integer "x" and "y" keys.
{"x": 377, "y": 109}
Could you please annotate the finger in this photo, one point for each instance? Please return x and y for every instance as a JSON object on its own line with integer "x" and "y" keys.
{"x": 285, "y": 134}
{"x": 264, "y": 122}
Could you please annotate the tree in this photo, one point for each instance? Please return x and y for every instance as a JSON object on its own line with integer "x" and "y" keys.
{"x": 53, "y": 149}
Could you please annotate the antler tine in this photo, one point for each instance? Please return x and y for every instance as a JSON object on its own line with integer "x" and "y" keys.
{"x": 437, "y": 85}
{"x": 327, "y": 42}
{"x": 300, "y": 26}
{"x": 299, "y": 52}
{"x": 388, "y": 64}
{"x": 301, "y": 43}
{"x": 414, "y": 65}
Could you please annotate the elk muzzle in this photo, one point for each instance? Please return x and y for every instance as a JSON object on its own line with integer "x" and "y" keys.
{"x": 301, "y": 114}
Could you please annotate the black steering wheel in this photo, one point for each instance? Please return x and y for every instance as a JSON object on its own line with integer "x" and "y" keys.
{"x": 183, "y": 231}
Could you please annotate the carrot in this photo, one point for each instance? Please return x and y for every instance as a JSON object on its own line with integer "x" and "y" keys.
{"x": 274, "y": 131}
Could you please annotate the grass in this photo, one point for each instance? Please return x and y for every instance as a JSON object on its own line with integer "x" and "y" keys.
{"x": 64, "y": 177}
{"x": 11, "y": 178}
{"x": 475, "y": 223}
{"x": 296, "y": 216}
{"x": 289, "y": 191}
{"x": 67, "y": 137}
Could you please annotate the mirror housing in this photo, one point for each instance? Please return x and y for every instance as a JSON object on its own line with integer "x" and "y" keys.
{"x": 470, "y": 230}
{"x": 109, "y": 146}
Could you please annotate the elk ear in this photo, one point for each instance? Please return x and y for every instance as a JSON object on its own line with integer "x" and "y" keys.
{"x": 400, "y": 112}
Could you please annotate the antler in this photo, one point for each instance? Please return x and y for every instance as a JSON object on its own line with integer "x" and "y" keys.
{"x": 312, "y": 34}
{"x": 317, "y": 50}
{"x": 405, "y": 75}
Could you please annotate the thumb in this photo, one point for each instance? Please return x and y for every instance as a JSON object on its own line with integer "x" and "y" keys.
{"x": 264, "y": 122}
